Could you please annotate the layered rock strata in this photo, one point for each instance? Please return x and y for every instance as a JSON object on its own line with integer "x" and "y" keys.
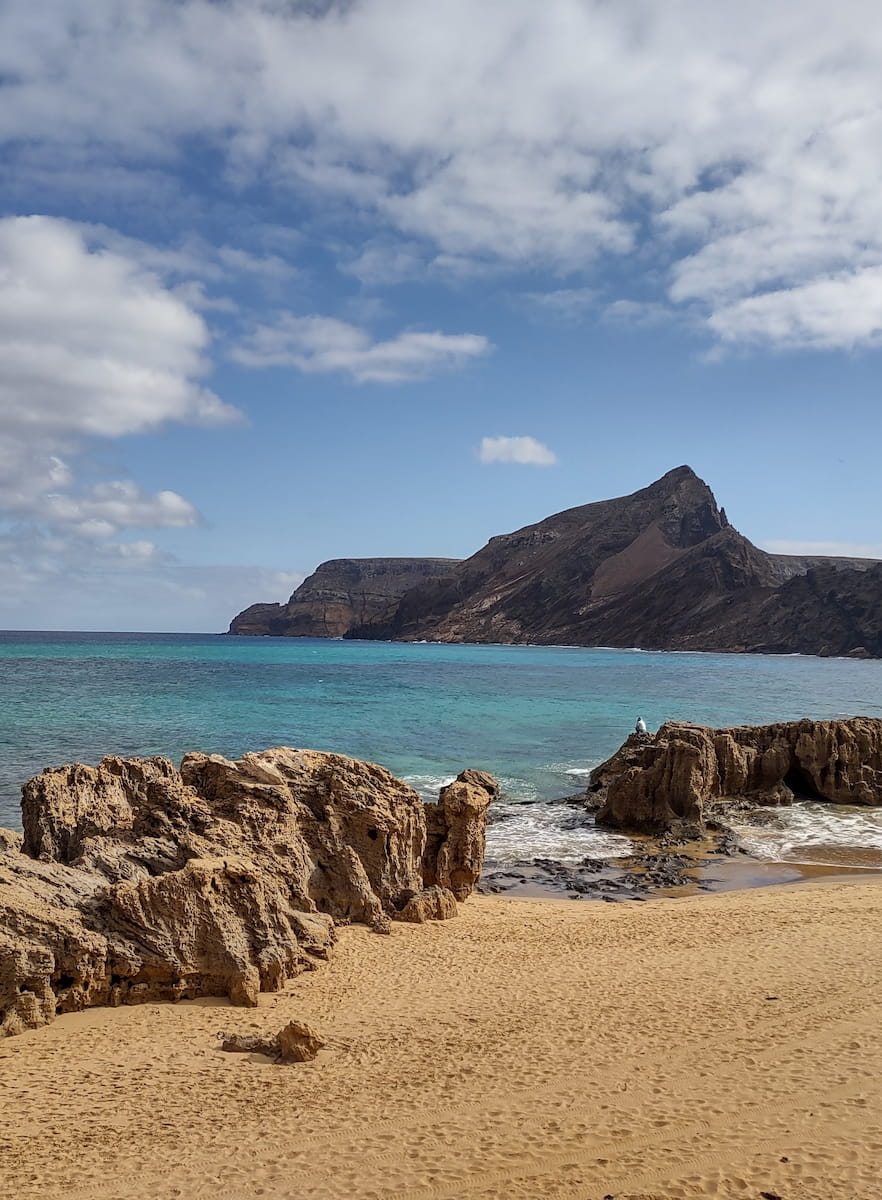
{"x": 341, "y": 595}
{"x": 137, "y": 881}
{"x": 680, "y": 775}
{"x": 661, "y": 568}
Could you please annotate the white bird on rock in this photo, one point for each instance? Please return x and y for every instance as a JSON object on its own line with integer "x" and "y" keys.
{"x": 640, "y": 727}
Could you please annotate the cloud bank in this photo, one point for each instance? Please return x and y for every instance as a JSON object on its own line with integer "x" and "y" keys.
{"x": 735, "y": 150}
{"x": 92, "y": 346}
{"x": 825, "y": 549}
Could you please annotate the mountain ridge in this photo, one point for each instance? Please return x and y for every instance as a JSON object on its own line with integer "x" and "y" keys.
{"x": 661, "y": 568}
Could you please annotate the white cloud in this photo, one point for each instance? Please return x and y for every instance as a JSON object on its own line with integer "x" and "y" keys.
{"x": 747, "y": 169}
{"x": 118, "y": 504}
{"x": 133, "y": 553}
{"x": 524, "y": 450}
{"x": 840, "y": 311}
{"x": 92, "y": 344}
{"x": 825, "y": 549}
{"x": 319, "y": 344}
{"x": 126, "y": 585}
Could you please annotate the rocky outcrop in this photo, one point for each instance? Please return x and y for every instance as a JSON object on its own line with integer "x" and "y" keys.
{"x": 295, "y": 1042}
{"x": 660, "y": 569}
{"x": 680, "y": 775}
{"x": 455, "y": 838}
{"x": 264, "y": 620}
{"x": 137, "y": 881}
{"x": 341, "y": 596}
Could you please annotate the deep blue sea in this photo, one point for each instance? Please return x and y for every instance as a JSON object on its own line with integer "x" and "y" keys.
{"x": 537, "y": 717}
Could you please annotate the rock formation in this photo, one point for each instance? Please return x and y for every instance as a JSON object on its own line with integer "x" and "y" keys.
{"x": 137, "y": 881}
{"x": 831, "y": 609}
{"x": 660, "y": 569}
{"x": 341, "y": 595}
{"x": 296, "y": 1042}
{"x": 456, "y": 826}
{"x": 678, "y": 776}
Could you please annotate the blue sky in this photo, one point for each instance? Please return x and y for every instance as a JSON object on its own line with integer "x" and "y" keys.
{"x": 282, "y": 282}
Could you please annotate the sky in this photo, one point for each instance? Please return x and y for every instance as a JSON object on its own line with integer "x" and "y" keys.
{"x": 287, "y": 281}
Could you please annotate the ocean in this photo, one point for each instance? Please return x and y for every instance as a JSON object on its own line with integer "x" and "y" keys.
{"x": 539, "y": 718}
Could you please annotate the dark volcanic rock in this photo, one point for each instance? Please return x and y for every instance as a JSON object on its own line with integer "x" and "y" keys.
{"x": 342, "y": 595}
{"x": 674, "y": 778}
{"x": 829, "y": 610}
{"x": 660, "y": 569}
{"x": 545, "y": 583}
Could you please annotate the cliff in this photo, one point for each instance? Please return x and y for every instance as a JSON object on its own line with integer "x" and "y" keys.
{"x": 660, "y": 569}
{"x": 831, "y": 609}
{"x": 683, "y": 773}
{"x": 136, "y": 881}
{"x": 341, "y": 594}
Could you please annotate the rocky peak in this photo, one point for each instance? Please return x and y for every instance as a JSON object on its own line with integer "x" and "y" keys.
{"x": 660, "y": 568}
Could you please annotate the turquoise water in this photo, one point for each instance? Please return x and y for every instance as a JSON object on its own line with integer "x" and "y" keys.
{"x": 537, "y": 717}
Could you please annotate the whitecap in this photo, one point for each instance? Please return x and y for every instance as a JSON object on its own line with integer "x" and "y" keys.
{"x": 549, "y": 831}
{"x": 811, "y": 832}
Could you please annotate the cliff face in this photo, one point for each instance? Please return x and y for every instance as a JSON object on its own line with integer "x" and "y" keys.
{"x": 341, "y": 594}
{"x": 661, "y": 569}
{"x": 541, "y": 582}
{"x": 829, "y": 610}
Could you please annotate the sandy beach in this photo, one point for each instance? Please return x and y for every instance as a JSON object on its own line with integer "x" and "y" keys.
{"x": 726, "y": 1045}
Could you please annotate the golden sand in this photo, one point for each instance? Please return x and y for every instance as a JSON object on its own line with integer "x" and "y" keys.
{"x": 728, "y": 1045}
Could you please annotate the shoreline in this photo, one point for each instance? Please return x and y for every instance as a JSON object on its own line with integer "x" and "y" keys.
{"x": 690, "y": 875}
{"x": 724, "y": 1045}
{"x": 733, "y": 875}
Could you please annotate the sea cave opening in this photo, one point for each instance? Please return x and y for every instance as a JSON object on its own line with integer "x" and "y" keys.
{"x": 801, "y": 784}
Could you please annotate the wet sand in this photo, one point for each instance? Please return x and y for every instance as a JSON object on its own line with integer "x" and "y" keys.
{"x": 687, "y": 868}
{"x": 727, "y": 1045}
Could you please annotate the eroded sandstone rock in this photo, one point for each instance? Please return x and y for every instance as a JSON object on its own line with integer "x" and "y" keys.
{"x": 135, "y": 881}
{"x": 296, "y": 1042}
{"x": 431, "y": 904}
{"x": 674, "y": 777}
{"x": 454, "y": 851}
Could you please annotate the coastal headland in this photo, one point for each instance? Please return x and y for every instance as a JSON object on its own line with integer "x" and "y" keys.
{"x": 660, "y": 569}
{"x": 726, "y": 1046}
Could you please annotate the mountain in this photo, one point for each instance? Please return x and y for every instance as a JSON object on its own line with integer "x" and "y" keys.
{"x": 831, "y": 609}
{"x": 341, "y": 594}
{"x": 660, "y": 569}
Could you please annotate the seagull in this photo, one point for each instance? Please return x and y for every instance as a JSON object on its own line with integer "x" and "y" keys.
{"x": 640, "y": 727}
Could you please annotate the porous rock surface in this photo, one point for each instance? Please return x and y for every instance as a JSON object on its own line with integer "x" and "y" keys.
{"x": 679, "y": 775}
{"x": 138, "y": 881}
{"x": 295, "y": 1042}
